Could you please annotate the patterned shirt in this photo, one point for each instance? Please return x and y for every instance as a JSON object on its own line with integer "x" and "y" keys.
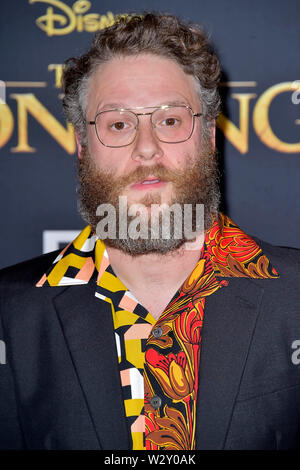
{"x": 159, "y": 360}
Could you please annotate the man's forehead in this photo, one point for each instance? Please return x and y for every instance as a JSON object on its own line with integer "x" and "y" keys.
{"x": 141, "y": 81}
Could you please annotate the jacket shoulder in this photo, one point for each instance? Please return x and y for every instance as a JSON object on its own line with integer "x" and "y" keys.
{"x": 29, "y": 271}
{"x": 285, "y": 259}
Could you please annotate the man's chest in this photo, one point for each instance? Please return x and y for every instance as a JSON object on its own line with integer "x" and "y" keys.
{"x": 154, "y": 300}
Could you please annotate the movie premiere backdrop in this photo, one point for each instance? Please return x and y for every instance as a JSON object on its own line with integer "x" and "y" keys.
{"x": 258, "y": 42}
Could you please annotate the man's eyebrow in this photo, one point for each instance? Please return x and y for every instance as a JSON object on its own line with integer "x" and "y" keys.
{"x": 110, "y": 106}
{"x": 175, "y": 103}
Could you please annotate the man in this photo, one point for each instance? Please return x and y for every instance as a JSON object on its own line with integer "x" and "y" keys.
{"x": 146, "y": 339}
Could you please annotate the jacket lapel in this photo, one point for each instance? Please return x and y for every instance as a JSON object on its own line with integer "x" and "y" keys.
{"x": 229, "y": 322}
{"x": 88, "y": 329}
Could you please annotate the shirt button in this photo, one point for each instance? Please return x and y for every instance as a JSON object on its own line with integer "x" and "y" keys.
{"x": 155, "y": 402}
{"x": 157, "y": 332}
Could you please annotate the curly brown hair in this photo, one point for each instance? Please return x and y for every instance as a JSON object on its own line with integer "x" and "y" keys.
{"x": 153, "y": 33}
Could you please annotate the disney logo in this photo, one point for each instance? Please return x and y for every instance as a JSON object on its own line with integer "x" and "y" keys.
{"x": 66, "y": 19}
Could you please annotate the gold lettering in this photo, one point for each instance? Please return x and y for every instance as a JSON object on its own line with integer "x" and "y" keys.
{"x": 58, "y": 68}
{"x": 106, "y": 20}
{"x": 261, "y": 121}
{"x": 79, "y": 20}
{"x": 238, "y": 136}
{"x": 69, "y": 19}
{"x": 6, "y": 123}
{"x": 91, "y": 22}
{"x": 47, "y": 22}
{"x": 28, "y": 103}
{"x": 81, "y": 6}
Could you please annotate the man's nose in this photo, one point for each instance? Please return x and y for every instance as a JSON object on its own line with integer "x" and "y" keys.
{"x": 146, "y": 144}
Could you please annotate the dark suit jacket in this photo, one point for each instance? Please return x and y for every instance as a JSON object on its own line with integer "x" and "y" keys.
{"x": 60, "y": 387}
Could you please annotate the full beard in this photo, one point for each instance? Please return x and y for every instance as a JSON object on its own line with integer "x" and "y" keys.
{"x": 196, "y": 183}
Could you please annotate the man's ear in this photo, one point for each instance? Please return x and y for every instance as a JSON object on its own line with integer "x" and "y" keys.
{"x": 78, "y": 143}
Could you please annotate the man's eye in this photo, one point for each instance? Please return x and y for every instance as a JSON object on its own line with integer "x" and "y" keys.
{"x": 170, "y": 122}
{"x": 119, "y": 126}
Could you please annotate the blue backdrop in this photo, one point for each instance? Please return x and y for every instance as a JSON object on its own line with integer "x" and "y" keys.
{"x": 259, "y": 130}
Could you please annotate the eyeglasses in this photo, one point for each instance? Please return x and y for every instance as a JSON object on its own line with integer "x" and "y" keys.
{"x": 119, "y": 127}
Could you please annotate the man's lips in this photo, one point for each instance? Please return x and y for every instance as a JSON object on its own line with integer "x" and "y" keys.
{"x": 148, "y": 183}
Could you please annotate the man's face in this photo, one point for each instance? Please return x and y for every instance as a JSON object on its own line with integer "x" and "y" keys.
{"x": 134, "y": 82}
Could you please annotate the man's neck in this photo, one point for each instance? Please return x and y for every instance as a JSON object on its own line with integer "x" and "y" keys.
{"x": 154, "y": 278}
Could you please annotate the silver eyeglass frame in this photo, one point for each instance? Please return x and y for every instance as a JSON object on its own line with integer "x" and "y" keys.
{"x": 165, "y": 106}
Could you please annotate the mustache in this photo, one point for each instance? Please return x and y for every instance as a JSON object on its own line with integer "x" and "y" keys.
{"x": 158, "y": 171}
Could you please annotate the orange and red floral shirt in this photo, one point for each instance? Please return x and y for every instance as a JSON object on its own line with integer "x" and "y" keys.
{"x": 159, "y": 361}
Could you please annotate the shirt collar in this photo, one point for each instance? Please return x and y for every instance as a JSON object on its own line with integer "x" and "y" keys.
{"x": 231, "y": 251}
